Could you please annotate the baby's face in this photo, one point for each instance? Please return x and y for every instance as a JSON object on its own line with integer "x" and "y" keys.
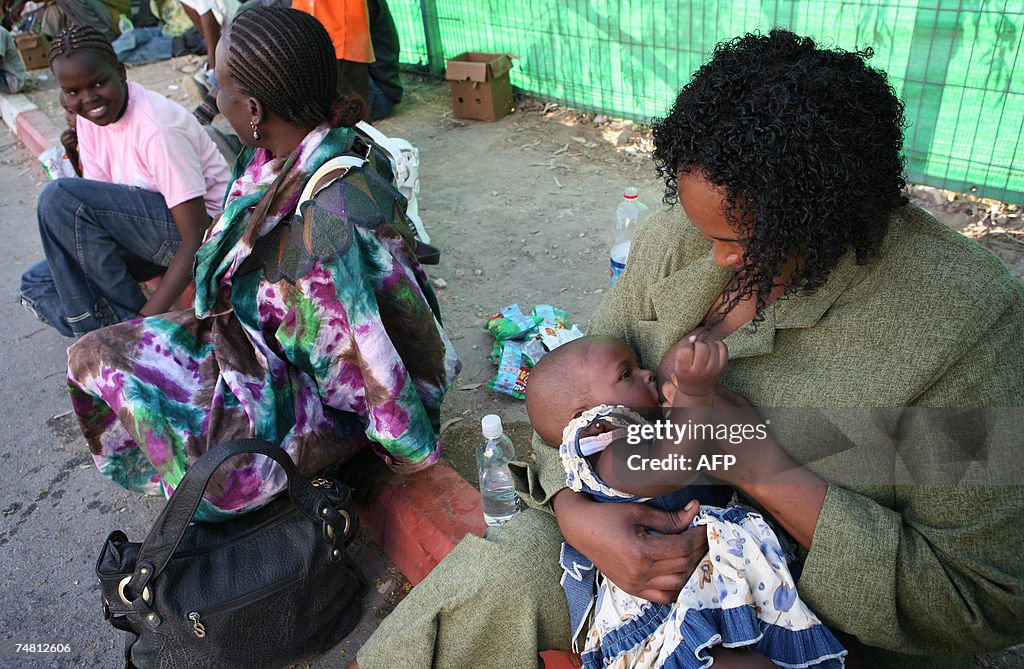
{"x": 70, "y": 117}
{"x": 616, "y": 377}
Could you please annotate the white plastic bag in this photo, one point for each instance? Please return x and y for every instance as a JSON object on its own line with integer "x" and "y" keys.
{"x": 405, "y": 163}
{"x": 56, "y": 164}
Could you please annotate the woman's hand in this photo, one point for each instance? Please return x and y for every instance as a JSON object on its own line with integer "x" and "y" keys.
{"x": 648, "y": 553}
{"x": 790, "y": 493}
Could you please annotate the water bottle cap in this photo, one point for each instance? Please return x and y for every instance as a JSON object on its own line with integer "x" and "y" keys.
{"x": 491, "y": 425}
{"x": 631, "y": 193}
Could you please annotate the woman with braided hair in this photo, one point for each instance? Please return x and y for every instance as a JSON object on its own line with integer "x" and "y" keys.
{"x": 314, "y": 325}
{"x": 153, "y": 179}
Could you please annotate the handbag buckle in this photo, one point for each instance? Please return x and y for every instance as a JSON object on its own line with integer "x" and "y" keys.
{"x": 147, "y": 596}
{"x": 320, "y": 482}
{"x": 329, "y": 531}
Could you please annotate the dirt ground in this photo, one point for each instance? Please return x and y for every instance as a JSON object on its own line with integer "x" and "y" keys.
{"x": 522, "y": 210}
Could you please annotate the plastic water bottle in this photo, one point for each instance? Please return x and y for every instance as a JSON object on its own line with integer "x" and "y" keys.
{"x": 493, "y": 454}
{"x": 628, "y": 216}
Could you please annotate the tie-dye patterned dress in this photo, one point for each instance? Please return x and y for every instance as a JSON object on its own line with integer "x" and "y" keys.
{"x": 328, "y": 342}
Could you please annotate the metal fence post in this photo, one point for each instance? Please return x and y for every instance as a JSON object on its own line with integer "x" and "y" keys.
{"x": 432, "y": 35}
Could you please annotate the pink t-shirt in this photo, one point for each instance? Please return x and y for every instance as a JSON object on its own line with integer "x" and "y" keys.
{"x": 159, "y": 146}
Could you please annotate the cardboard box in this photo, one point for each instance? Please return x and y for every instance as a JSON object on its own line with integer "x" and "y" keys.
{"x": 481, "y": 89}
{"x": 34, "y": 50}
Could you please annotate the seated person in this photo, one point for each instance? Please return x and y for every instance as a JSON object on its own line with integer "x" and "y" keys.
{"x": 324, "y": 349}
{"x": 12, "y": 70}
{"x": 210, "y": 17}
{"x": 742, "y": 594}
{"x": 152, "y": 182}
{"x": 51, "y": 17}
{"x": 888, "y": 307}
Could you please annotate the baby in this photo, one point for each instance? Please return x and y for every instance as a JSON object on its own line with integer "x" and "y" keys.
{"x": 69, "y": 138}
{"x": 571, "y": 383}
{"x": 589, "y": 396}
{"x": 62, "y": 161}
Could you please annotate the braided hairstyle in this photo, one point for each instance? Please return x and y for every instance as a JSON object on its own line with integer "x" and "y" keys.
{"x": 807, "y": 143}
{"x": 82, "y": 38}
{"x": 284, "y": 58}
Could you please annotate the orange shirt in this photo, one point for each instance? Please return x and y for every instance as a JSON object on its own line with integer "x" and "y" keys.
{"x": 348, "y": 24}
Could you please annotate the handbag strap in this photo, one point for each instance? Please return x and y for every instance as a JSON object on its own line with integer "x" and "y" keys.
{"x": 170, "y": 526}
{"x": 355, "y": 155}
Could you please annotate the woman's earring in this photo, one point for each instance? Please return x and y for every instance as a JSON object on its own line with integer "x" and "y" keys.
{"x": 255, "y": 131}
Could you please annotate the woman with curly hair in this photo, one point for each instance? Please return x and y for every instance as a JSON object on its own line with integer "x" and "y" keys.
{"x": 793, "y": 243}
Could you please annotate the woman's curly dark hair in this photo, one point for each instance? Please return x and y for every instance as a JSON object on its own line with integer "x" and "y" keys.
{"x": 807, "y": 145}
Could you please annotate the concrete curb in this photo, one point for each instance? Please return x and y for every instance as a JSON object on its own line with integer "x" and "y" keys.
{"x": 417, "y": 519}
{"x": 29, "y": 124}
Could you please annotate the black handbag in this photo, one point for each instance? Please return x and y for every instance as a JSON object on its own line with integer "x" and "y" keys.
{"x": 264, "y": 590}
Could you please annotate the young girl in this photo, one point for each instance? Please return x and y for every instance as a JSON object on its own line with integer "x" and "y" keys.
{"x": 590, "y": 395}
{"x": 152, "y": 181}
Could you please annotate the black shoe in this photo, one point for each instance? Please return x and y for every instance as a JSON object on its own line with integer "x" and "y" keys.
{"x": 207, "y": 110}
{"x": 427, "y": 254}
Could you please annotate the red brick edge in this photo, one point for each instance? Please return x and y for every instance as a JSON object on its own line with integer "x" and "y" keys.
{"x": 417, "y": 519}
{"x": 36, "y": 131}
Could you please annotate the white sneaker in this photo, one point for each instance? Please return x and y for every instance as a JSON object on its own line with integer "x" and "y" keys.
{"x": 201, "y": 80}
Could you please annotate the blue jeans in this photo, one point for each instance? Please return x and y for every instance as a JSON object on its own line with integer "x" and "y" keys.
{"x": 100, "y": 240}
{"x": 380, "y": 104}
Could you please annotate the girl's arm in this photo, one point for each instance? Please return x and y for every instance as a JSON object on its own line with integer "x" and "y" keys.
{"x": 191, "y": 220}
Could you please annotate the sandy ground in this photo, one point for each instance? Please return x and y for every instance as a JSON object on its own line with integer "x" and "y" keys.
{"x": 522, "y": 211}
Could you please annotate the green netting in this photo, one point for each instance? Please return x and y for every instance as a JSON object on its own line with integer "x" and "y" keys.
{"x": 956, "y": 63}
{"x": 409, "y": 22}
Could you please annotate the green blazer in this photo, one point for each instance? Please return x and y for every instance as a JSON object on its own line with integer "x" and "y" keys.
{"x": 934, "y": 320}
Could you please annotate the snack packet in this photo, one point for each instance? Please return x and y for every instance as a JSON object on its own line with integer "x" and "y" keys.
{"x": 513, "y": 372}
{"x": 511, "y": 323}
{"x": 551, "y": 317}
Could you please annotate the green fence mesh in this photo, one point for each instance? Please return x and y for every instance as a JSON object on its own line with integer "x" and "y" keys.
{"x": 956, "y": 63}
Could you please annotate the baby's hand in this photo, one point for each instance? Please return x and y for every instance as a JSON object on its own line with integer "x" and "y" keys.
{"x": 697, "y": 368}
{"x": 69, "y": 140}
